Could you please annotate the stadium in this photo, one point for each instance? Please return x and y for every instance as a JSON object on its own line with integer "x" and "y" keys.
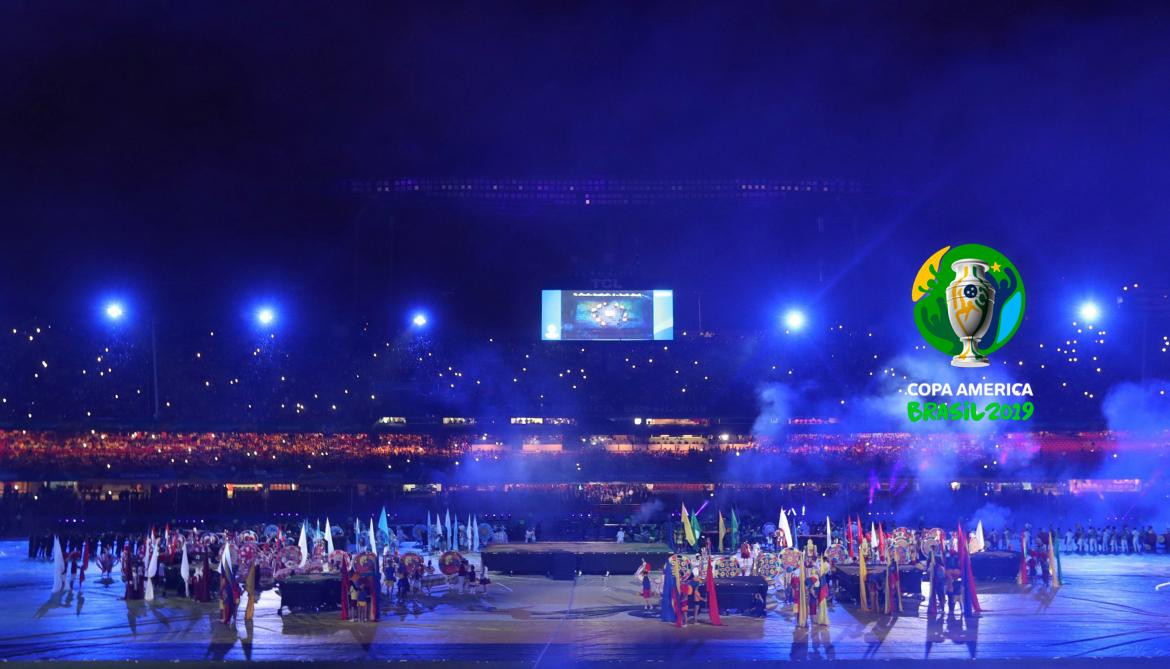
{"x": 362, "y": 359}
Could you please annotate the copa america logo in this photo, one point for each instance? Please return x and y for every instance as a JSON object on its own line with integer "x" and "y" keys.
{"x": 956, "y": 294}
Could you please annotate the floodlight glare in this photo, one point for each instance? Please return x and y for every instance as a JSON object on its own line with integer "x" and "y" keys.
{"x": 794, "y": 320}
{"x": 1090, "y": 312}
{"x": 114, "y": 311}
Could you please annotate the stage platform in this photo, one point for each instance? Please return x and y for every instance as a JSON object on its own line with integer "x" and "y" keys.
{"x": 562, "y": 559}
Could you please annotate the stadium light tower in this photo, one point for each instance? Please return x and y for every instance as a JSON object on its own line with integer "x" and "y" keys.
{"x": 794, "y": 320}
{"x": 1089, "y": 312}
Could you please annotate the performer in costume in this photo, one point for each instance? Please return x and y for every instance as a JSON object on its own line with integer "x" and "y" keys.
{"x": 744, "y": 562}
{"x": 954, "y": 581}
{"x": 127, "y": 573}
{"x": 822, "y": 611}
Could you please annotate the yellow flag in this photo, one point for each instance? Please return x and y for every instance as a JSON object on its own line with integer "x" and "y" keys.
{"x": 722, "y": 531}
{"x": 688, "y": 531}
{"x": 861, "y": 568}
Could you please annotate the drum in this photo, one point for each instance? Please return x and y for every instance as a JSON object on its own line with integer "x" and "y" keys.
{"x": 790, "y": 558}
{"x": 725, "y": 566}
{"x": 411, "y": 560}
{"x": 289, "y": 557}
{"x": 449, "y": 563}
{"x": 271, "y": 531}
{"x": 338, "y": 558}
{"x": 768, "y": 564}
{"x": 247, "y": 536}
{"x": 681, "y": 564}
{"x": 902, "y": 534}
{"x": 932, "y": 540}
{"x": 365, "y": 564}
{"x": 837, "y": 554}
{"x": 903, "y": 552}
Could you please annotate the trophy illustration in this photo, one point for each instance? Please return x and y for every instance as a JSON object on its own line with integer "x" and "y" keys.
{"x": 970, "y": 304}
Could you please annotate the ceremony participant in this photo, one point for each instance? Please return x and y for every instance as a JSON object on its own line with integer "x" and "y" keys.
{"x": 744, "y": 561}
{"x": 646, "y": 586}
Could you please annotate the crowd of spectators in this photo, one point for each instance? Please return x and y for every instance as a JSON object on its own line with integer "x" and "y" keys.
{"x": 445, "y": 453}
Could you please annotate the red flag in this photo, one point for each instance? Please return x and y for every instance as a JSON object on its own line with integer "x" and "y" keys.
{"x": 712, "y": 602}
{"x": 969, "y": 594}
{"x": 881, "y": 542}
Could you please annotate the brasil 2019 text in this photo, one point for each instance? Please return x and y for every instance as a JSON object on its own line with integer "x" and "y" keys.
{"x": 943, "y": 411}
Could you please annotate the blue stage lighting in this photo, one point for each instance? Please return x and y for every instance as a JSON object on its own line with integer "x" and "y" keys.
{"x": 1089, "y": 312}
{"x": 794, "y": 320}
{"x": 419, "y": 320}
{"x": 115, "y": 311}
{"x": 265, "y": 315}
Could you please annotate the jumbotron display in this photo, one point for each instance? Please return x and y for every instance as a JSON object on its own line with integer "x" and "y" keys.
{"x": 607, "y": 315}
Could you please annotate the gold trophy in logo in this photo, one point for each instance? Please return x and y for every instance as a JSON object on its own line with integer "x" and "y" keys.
{"x": 970, "y": 305}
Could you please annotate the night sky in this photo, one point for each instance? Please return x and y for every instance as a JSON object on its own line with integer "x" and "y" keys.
{"x": 194, "y": 156}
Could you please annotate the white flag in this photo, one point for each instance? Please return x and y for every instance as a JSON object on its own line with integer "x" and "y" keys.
{"x": 185, "y": 571}
{"x": 151, "y": 567}
{"x": 58, "y": 565}
{"x": 787, "y": 530}
{"x": 303, "y": 543}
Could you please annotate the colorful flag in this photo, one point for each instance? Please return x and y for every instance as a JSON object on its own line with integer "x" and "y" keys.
{"x": 970, "y": 598}
{"x": 734, "y": 530}
{"x": 227, "y": 585}
{"x": 696, "y": 528}
{"x": 688, "y": 531}
{"x": 383, "y": 522}
{"x": 977, "y": 543}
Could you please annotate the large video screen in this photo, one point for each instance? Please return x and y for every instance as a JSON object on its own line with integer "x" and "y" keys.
{"x": 607, "y": 315}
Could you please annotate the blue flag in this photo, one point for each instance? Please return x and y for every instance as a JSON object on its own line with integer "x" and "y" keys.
{"x": 668, "y": 587}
